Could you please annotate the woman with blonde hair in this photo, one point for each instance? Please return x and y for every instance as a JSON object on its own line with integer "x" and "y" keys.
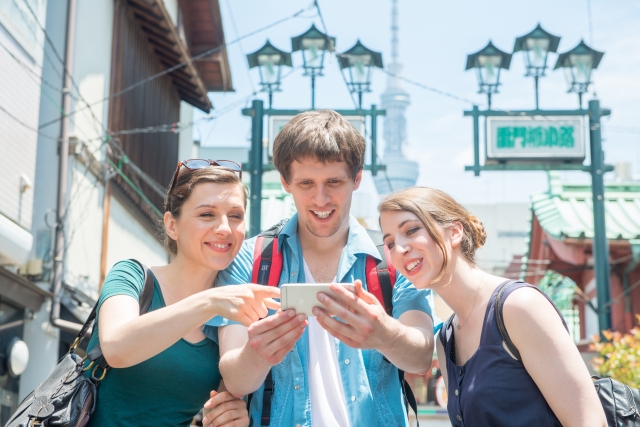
{"x": 433, "y": 241}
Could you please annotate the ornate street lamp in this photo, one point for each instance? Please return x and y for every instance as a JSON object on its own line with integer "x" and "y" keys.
{"x": 578, "y": 64}
{"x": 358, "y": 61}
{"x": 269, "y": 60}
{"x": 536, "y": 45}
{"x": 487, "y": 62}
{"x": 313, "y": 43}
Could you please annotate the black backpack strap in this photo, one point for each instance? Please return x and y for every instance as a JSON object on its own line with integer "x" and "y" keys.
{"x": 409, "y": 398}
{"x": 500, "y": 321}
{"x": 382, "y": 267}
{"x": 442, "y": 335}
{"x": 145, "y": 302}
{"x": 147, "y": 291}
{"x": 267, "y": 395}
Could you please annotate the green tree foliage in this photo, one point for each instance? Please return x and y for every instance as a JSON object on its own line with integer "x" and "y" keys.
{"x": 619, "y": 356}
{"x": 559, "y": 288}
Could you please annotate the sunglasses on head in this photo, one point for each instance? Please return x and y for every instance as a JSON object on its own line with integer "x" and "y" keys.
{"x": 194, "y": 164}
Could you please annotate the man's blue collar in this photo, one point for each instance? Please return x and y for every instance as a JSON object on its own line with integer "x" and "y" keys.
{"x": 358, "y": 241}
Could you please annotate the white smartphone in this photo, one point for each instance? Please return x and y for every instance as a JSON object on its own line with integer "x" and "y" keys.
{"x": 302, "y": 297}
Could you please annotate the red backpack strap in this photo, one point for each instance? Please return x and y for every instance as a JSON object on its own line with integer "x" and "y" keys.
{"x": 267, "y": 259}
{"x": 267, "y": 268}
{"x": 381, "y": 275}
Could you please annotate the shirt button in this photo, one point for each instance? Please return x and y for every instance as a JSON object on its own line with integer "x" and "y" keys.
{"x": 353, "y": 398}
{"x": 456, "y": 392}
{"x": 460, "y": 371}
{"x": 298, "y": 425}
{"x": 296, "y": 387}
{"x": 293, "y": 274}
{"x": 347, "y": 361}
{"x": 458, "y": 417}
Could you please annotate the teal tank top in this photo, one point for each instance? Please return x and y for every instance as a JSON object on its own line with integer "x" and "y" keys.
{"x": 167, "y": 390}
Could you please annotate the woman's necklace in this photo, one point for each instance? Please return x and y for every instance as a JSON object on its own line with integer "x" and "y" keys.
{"x": 474, "y": 305}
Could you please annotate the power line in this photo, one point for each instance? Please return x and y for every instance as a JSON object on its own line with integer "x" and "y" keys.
{"x": 182, "y": 64}
{"x": 38, "y": 80}
{"x": 324, "y": 27}
{"x": 177, "y": 127}
{"x": 26, "y": 126}
{"x": 237, "y": 34}
{"x": 30, "y": 70}
{"x": 66, "y": 71}
{"x": 430, "y": 88}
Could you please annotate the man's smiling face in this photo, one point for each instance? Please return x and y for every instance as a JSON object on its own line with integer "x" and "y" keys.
{"x": 322, "y": 193}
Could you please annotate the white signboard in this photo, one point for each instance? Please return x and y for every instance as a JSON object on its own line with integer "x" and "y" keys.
{"x": 276, "y": 123}
{"x": 535, "y": 137}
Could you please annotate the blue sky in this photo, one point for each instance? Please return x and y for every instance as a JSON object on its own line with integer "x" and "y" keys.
{"x": 435, "y": 38}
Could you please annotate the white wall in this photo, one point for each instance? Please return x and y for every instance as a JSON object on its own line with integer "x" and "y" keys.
{"x": 507, "y": 225}
{"x": 21, "y": 59}
{"x": 84, "y": 230}
{"x": 172, "y": 10}
{"x": 130, "y": 239}
{"x": 92, "y": 67}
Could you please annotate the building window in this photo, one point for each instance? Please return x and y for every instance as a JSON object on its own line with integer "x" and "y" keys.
{"x": 18, "y": 20}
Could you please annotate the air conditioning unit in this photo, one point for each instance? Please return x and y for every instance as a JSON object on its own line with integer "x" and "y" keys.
{"x": 15, "y": 242}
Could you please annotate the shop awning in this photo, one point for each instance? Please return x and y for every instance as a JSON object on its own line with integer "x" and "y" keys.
{"x": 20, "y": 291}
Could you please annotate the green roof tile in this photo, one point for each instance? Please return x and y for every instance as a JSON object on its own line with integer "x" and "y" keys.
{"x": 567, "y": 212}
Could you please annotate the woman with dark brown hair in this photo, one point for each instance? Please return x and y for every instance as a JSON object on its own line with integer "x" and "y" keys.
{"x": 163, "y": 368}
{"x": 433, "y": 241}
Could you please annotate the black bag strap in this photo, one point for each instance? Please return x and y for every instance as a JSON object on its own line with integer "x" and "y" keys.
{"x": 267, "y": 395}
{"x": 145, "y": 302}
{"x": 442, "y": 334}
{"x": 386, "y": 287}
{"x": 500, "y": 321}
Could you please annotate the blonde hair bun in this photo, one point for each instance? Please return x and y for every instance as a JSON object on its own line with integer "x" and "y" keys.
{"x": 478, "y": 233}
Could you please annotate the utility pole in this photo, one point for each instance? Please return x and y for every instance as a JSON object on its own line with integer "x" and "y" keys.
{"x": 600, "y": 243}
{"x": 63, "y": 171}
{"x": 256, "y": 112}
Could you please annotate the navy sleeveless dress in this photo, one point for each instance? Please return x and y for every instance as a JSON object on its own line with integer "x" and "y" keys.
{"x": 493, "y": 389}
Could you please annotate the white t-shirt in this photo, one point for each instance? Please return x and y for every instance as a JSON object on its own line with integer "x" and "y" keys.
{"x": 328, "y": 408}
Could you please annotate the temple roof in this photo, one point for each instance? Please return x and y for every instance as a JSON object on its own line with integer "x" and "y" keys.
{"x": 566, "y": 211}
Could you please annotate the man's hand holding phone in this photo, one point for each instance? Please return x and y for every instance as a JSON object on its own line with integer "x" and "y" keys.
{"x": 273, "y": 337}
{"x": 363, "y": 321}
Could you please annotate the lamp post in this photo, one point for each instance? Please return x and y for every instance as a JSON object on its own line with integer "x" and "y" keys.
{"x": 487, "y": 62}
{"x": 578, "y": 64}
{"x": 536, "y": 45}
{"x": 313, "y": 43}
{"x": 269, "y": 60}
{"x": 358, "y": 61}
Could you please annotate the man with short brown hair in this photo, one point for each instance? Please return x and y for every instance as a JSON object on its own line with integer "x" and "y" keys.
{"x": 326, "y": 371}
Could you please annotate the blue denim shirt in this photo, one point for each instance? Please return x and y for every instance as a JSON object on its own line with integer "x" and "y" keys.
{"x": 371, "y": 385}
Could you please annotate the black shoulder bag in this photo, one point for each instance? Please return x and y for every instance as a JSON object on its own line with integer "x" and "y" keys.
{"x": 67, "y": 397}
{"x": 619, "y": 401}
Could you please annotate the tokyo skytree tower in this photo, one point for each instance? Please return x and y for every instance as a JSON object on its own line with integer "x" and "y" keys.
{"x": 401, "y": 172}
